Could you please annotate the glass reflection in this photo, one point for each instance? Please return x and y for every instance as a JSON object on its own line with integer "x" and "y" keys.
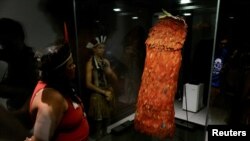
{"x": 229, "y": 98}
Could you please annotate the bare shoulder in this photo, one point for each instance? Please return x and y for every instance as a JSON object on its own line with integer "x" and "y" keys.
{"x": 48, "y": 96}
{"x": 90, "y": 59}
{"x": 89, "y": 63}
{"x": 106, "y": 61}
{"x": 48, "y": 99}
{"x": 52, "y": 95}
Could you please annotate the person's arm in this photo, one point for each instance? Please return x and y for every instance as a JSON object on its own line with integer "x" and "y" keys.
{"x": 109, "y": 72}
{"x": 50, "y": 109}
{"x": 111, "y": 76}
{"x": 89, "y": 83}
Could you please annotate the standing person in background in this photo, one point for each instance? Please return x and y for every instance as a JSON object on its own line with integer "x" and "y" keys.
{"x": 55, "y": 107}
{"x": 133, "y": 58}
{"x": 99, "y": 77}
{"x": 221, "y": 57}
{"x": 21, "y": 75}
{"x": 220, "y": 61}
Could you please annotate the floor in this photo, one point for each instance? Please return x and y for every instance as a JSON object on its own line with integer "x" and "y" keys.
{"x": 196, "y": 133}
{"x": 194, "y": 130}
{"x": 216, "y": 115}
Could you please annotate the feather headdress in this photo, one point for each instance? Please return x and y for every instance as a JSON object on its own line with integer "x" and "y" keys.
{"x": 97, "y": 40}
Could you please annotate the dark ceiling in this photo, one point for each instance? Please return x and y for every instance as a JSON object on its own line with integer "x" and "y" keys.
{"x": 59, "y": 10}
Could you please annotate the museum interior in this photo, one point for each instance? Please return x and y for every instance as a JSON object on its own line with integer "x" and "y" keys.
{"x": 212, "y": 78}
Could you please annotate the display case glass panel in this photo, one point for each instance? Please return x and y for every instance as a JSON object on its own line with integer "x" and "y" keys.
{"x": 127, "y": 24}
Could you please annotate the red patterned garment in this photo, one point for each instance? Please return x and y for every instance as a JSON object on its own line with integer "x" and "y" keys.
{"x": 155, "y": 106}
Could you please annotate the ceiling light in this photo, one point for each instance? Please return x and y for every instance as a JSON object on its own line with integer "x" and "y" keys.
{"x": 135, "y": 17}
{"x": 187, "y": 14}
{"x": 117, "y": 9}
{"x": 185, "y": 1}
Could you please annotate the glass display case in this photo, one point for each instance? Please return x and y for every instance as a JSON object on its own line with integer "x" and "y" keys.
{"x": 126, "y": 25}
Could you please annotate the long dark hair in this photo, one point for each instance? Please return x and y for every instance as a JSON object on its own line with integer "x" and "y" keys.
{"x": 53, "y": 65}
{"x": 53, "y": 62}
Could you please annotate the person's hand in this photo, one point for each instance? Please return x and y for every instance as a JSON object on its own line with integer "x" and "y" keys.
{"x": 108, "y": 95}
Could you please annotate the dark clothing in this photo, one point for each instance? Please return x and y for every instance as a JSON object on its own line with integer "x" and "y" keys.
{"x": 219, "y": 61}
{"x": 22, "y": 74}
